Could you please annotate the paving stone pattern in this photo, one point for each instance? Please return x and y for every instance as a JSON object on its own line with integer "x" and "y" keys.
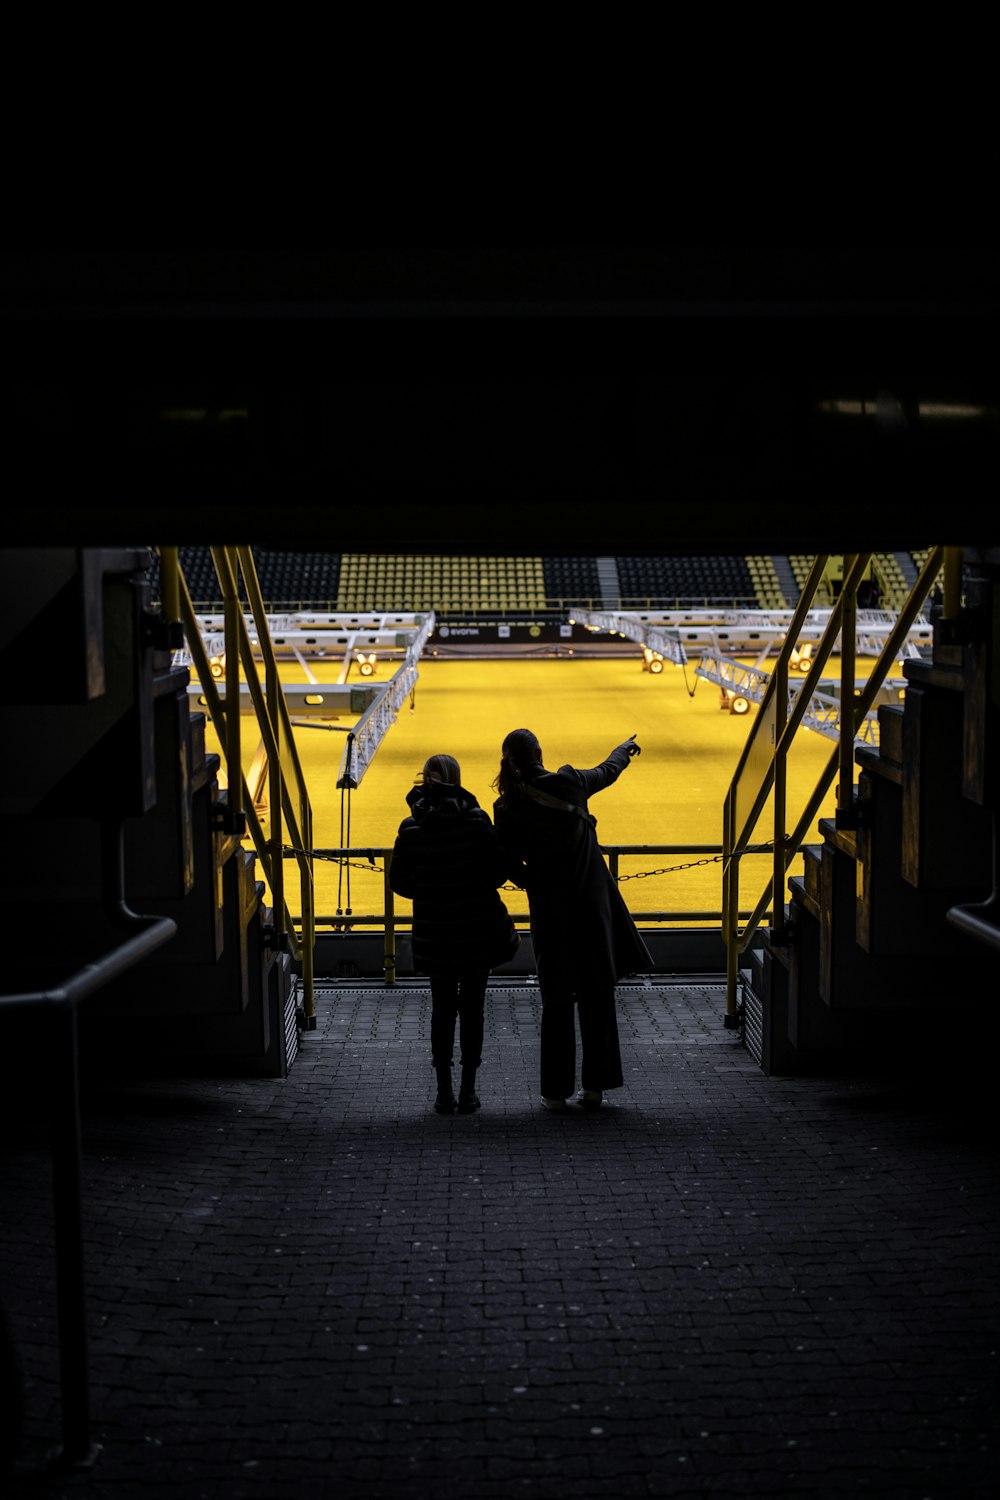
{"x": 723, "y": 1285}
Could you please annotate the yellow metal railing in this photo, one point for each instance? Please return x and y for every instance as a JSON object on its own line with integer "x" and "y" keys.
{"x": 761, "y": 771}
{"x": 391, "y": 924}
{"x": 288, "y": 799}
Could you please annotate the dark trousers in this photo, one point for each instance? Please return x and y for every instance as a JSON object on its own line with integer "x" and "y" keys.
{"x": 601, "y": 1062}
{"x": 461, "y": 998}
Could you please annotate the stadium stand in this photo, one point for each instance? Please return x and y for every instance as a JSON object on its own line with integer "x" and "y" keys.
{"x": 377, "y": 581}
{"x": 287, "y": 579}
{"x": 572, "y": 579}
{"x": 894, "y": 573}
{"x": 688, "y": 580}
{"x": 892, "y": 584}
{"x": 800, "y": 565}
{"x": 767, "y": 589}
{"x": 387, "y": 581}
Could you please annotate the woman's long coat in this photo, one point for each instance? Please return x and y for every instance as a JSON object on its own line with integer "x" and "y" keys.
{"x": 448, "y": 861}
{"x": 582, "y": 931}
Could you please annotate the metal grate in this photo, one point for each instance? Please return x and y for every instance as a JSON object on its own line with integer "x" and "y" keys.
{"x": 659, "y": 1013}
{"x": 291, "y": 1026}
{"x": 752, "y": 1027}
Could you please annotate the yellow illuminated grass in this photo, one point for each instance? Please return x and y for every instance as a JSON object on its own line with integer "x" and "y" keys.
{"x": 673, "y": 793}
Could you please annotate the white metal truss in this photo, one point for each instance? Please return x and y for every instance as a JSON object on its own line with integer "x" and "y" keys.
{"x": 762, "y": 631}
{"x": 321, "y": 636}
{"x": 822, "y": 712}
{"x": 634, "y": 628}
{"x": 373, "y": 726}
{"x": 371, "y": 729}
{"x": 377, "y": 704}
{"x": 329, "y": 700}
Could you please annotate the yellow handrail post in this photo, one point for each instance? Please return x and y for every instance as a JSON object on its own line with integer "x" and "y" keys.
{"x": 389, "y": 961}
{"x": 170, "y": 583}
{"x": 848, "y": 670}
{"x": 776, "y": 718}
{"x": 231, "y": 613}
{"x": 869, "y": 692}
{"x": 778, "y": 864}
{"x": 275, "y": 776}
{"x": 273, "y": 721}
{"x": 951, "y": 601}
{"x": 279, "y": 741}
{"x": 730, "y": 908}
{"x": 854, "y": 708}
{"x": 308, "y": 958}
{"x": 217, "y": 714}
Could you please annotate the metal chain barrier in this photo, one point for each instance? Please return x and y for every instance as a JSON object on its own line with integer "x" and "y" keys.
{"x": 288, "y": 852}
{"x": 691, "y": 864}
{"x": 372, "y": 866}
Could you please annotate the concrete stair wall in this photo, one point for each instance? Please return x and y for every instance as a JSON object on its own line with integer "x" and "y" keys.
{"x": 103, "y": 752}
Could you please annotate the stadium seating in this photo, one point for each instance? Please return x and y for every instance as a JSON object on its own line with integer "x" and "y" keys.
{"x": 690, "y": 580}
{"x": 767, "y": 590}
{"x": 447, "y": 584}
{"x": 361, "y": 582}
{"x": 572, "y": 579}
{"x": 287, "y": 579}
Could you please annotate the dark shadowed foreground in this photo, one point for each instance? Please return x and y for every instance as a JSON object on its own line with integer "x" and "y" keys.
{"x": 724, "y": 1285}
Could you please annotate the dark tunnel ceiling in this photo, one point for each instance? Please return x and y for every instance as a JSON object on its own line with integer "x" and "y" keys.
{"x": 519, "y": 400}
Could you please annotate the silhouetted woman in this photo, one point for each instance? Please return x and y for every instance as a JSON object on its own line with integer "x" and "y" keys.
{"x": 448, "y": 861}
{"x": 583, "y": 935}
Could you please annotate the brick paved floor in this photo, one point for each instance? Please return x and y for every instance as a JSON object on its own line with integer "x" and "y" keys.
{"x": 726, "y": 1285}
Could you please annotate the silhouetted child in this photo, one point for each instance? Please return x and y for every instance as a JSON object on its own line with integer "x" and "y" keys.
{"x": 448, "y": 861}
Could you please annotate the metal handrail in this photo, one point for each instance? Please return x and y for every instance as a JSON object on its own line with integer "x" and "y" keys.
{"x": 276, "y": 732}
{"x": 281, "y": 753}
{"x": 981, "y": 919}
{"x": 781, "y": 720}
{"x": 67, "y": 1189}
{"x": 390, "y": 923}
